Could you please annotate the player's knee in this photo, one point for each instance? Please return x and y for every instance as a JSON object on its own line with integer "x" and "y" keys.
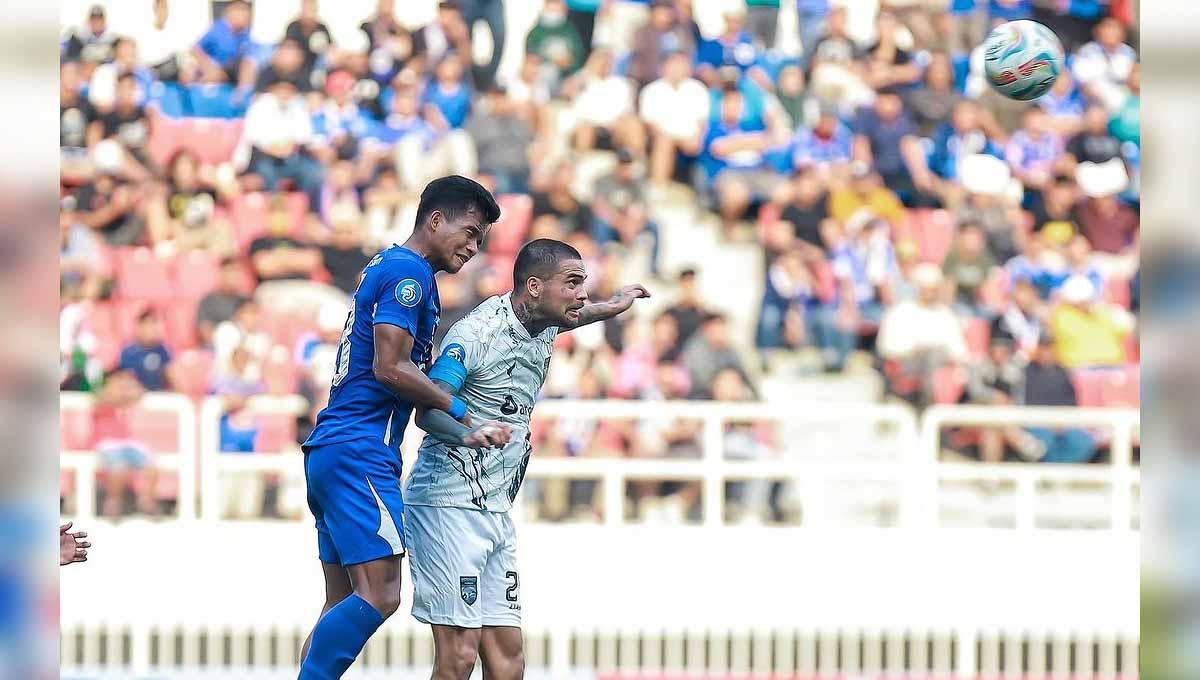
{"x": 385, "y": 600}
{"x": 460, "y": 657}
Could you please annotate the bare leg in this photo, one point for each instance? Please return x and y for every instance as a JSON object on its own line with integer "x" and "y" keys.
{"x": 585, "y": 137}
{"x": 662, "y": 159}
{"x": 502, "y": 651}
{"x": 337, "y": 588}
{"x": 455, "y": 652}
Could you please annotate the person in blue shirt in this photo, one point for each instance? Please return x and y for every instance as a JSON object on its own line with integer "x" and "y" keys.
{"x": 1010, "y": 10}
{"x": 734, "y": 160}
{"x": 225, "y": 51}
{"x": 734, "y": 47}
{"x": 448, "y": 91}
{"x": 147, "y": 357}
{"x": 962, "y": 136}
{"x": 352, "y": 457}
{"x": 827, "y": 146}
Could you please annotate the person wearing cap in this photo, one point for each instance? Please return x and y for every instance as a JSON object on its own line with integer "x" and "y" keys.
{"x": 675, "y": 109}
{"x": 1088, "y": 333}
{"x": 923, "y": 335}
{"x": 92, "y": 42}
{"x": 657, "y": 40}
{"x": 224, "y": 53}
{"x": 620, "y": 210}
{"x": 275, "y": 137}
{"x": 1109, "y": 225}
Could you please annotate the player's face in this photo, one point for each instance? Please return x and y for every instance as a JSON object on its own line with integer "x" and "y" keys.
{"x": 564, "y": 293}
{"x": 460, "y": 239}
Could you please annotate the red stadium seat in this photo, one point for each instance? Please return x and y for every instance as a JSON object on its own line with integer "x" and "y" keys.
{"x": 113, "y": 324}
{"x": 251, "y": 212}
{"x": 1089, "y": 386}
{"x": 179, "y": 324}
{"x": 978, "y": 333}
{"x": 191, "y": 372}
{"x": 195, "y": 273}
{"x": 142, "y": 276}
{"x": 75, "y": 430}
{"x": 280, "y": 373}
{"x": 158, "y": 430}
{"x": 948, "y": 384}
{"x": 934, "y": 230}
{"x": 507, "y": 234}
{"x": 211, "y": 140}
{"x": 1122, "y": 388}
{"x": 276, "y": 432}
{"x": 1116, "y": 291}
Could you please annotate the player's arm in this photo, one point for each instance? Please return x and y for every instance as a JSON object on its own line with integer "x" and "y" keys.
{"x": 617, "y": 304}
{"x": 394, "y": 368}
{"x": 449, "y": 373}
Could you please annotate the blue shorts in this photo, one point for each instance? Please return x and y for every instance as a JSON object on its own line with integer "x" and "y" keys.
{"x": 354, "y": 494}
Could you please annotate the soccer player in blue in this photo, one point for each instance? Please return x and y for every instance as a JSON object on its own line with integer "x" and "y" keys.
{"x": 352, "y": 458}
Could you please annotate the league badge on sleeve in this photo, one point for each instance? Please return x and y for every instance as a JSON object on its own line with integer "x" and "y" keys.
{"x": 408, "y": 292}
{"x": 455, "y": 351}
{"x": 468, "y": 587}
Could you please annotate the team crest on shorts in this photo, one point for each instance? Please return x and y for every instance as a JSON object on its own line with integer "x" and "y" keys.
{"x": 468, "y": 587}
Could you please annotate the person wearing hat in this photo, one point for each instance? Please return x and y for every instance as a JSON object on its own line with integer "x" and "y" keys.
{"x": 1088, "y": 333}
{"x": 923, "y": 335}
{"x": 675, "y": 108}
{"x": 1111, "y": 226}
{"x": 275, "y": 138}
{"x": 92, "y": 42}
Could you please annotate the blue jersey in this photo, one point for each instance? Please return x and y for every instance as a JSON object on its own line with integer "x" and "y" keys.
{"x": 397, "y": 288}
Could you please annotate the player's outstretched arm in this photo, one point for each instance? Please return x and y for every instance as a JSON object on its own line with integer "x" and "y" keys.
{"x": 617, "y": 304}
{"x": 444, "y": 427}
{"x": 394, "y": 368}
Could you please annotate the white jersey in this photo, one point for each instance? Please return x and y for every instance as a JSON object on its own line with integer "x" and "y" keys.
{"x": 505, "y": 371}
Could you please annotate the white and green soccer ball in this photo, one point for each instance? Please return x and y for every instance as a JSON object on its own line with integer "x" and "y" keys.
{"x": 1022, "y": 59}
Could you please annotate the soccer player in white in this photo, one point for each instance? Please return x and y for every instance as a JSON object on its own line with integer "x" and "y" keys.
{"x": 456, "y": 500}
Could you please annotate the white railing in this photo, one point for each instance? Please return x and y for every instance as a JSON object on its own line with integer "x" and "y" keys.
{"x": 910, "y": 462}
{"x": 182, "y": 460}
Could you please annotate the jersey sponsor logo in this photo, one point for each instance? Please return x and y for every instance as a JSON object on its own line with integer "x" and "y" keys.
{"x": 408, "y": 292}
{"x": 468, "y": 588}
{"x": 456, "y": 351}
{"x": 510, "y": 407}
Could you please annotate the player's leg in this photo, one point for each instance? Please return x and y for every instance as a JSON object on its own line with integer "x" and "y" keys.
{"x": 455, "y": 650}
{"x": 358, "y": 491}
{"x": 501, "y": 645}
{"x": 337, "y": 588}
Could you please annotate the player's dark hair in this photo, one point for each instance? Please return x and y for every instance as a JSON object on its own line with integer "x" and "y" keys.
{"x": 454, "y": 195}
{"x": 540, "y": 258}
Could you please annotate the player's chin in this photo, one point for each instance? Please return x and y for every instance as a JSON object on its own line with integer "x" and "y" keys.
{"x": 457, "y": 262}
{"x": 570, "y": 316}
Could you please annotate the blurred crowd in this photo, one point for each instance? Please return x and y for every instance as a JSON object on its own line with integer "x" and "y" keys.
{"x": 220, "y": 199}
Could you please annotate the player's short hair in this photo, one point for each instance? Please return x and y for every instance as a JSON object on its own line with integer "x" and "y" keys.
{"x": 455, "y": 195}
{"x": 540, "y": 258}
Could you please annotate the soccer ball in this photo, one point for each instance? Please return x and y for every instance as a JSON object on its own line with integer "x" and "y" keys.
{"x": 1022, "y": 59}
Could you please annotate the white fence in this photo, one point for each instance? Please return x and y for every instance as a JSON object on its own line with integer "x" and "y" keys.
{"x": 825, "y": 452}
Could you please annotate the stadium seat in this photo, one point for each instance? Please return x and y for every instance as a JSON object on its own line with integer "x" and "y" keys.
{"x": 75, "y": 430}
{"x": 276, "y": 432}
{"x": 948, "y": 384}
{"x": 169, "y": 98}
{"x": 191, "y": 372}
{"x": 1089, "y": 386}
{"x": 179, "y": 324}
{"x": 1122, "y": 388}
{"x": 213, "y": 101}
{"x": 1116, "y": 291}
{"x": 142, "y": 276}
{"x": 934, "y": 231}
{"x": 279, "y": 372}
{"x": 978, "y": 333}
{"x": 516, "y": 214}
{"x": 157, "y": 430}
{"x": 211, "y": 140}
{"x": 194, "y": 273}
{"x": 113, "y": 323}
{"x": 250, "y": 214}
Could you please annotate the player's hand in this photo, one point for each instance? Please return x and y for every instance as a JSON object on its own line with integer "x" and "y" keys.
{"x": 627, "y": 294}
{"x": 71, "y": 545}
{"x": 489, "y": 434}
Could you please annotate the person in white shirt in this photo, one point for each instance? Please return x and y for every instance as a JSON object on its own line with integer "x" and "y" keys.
{"x": 277, "y": 130}
{"x": 159, "y": 43}
{"x": 603, "y": 104}
{"x": 923, "y": 335}
{"x": 1103, "y": 65}
{"x": 675, "y": 107}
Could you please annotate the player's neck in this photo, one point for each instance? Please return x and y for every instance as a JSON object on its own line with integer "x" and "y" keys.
{"x": 526, "y": 313}
{"x": 419, "y": 244}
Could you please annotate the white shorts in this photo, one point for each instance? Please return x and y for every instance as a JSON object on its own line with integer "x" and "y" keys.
{"x": 464, "y": 566}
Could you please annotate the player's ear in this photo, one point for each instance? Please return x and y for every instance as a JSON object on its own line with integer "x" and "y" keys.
{"x": 533, "y": 286}
{"x": 436, "y": 218}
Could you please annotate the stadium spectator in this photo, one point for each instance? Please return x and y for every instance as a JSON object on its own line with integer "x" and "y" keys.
{"x": 656, "y": 41}
{"x": 1109, "y": 225}
{"x": 806, "y": 210}
{"x": 102, "y": 90}
{"x": 110, "y": 207}
{"x": 220, "y": 305}
{"x": 1047, "y": 383}
{"x": 968, "y": 266}
{"x": 340, "y": 195}
{"x": 424, "y": 148}
{"x": 225, "y": 53}
{"x": 1054, "y": 215}
{"x": 787, "y": 298}
{"x": 707, "y": 352}
{"x": 922, "y": 336}
{"x": 794, "y": 98}
{"x": 277, "y": 255}
{"x": 182, "y": 212}
{"x": 125, "y": 460}
{"x": 239, "y": 377}
{"x": 733, "y": 47}
{"x": 339, "y": 123}
{"x": 999, "y": 380}
{"x": 1033, "y": 149}
{"x": 274, "y": 140}
{"x": 835, "y": 73}
{"x": 311, "y": 34}
{"x": 1094, "y": 144}
{"x": 886, "y": 138}
{"x": 448, "y": 33}
{"x": 1102, "y": 66}
{"x": 344, "y": 257}
{"x": 933, "y": 102}
{"x": 621, "y": 211}
{"x": 1088, "y": 333}
{"x": 80, "y": 255}
{"x": 552, "y": 195}
{"x": 503, "y": 136}
{"x": 1126, "y": 121}
{"x": 286, "y": 63}
{"x": 147, "y": 357}
{"x": 827, "y": 146}
{"x": 529, "y": 88}
{"x": 734, "y": 161}
{"x": 887, "y": 64}
{"x": 448, "y": 93}
{"x": 603, "y": 106}
{"x": 1064, "y": 104}
{"x": 159, "y": 43}
{"x": 245, "y": 330}
{"x": 960, "y": 137}
{"x": 865, "y": 198}
{"x": 75, "y": 114}
{"x": 93, "y": 42}
{"x": 490, "y": 12}
{"x": 128, "y": 126}
{"x": 762, "y": 21}
{"x": 812, "y": 16}
{"x": 675, "y": 110}
{"x": 687, "y": 311}
{"x": 556, "y": 42}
